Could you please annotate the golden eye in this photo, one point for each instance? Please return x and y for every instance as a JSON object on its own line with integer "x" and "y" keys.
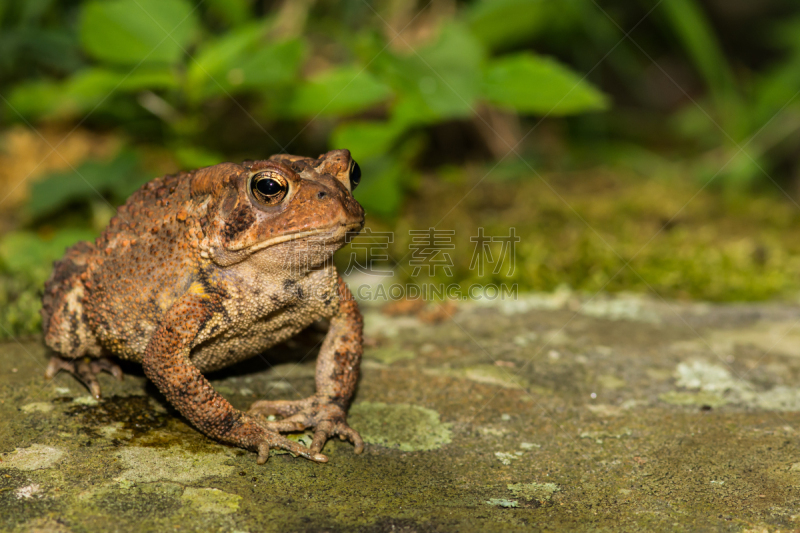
{"x": 269, "y": 187}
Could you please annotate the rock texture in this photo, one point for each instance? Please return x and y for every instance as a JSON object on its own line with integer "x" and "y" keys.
{"x": 549, "y": 412}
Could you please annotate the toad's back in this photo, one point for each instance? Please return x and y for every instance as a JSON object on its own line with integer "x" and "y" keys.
{"x": 107, "y": 296}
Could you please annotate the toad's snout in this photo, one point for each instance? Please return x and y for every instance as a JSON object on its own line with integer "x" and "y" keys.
{"x": 332, "y": 195}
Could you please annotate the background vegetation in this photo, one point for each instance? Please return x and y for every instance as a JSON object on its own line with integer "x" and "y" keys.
{"x": 642, "y": 145}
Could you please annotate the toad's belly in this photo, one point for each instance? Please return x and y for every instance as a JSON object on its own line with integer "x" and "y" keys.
{"x": 248, "y": 341}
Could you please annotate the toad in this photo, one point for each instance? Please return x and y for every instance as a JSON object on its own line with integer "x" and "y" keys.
{"x": 201, "y": 270}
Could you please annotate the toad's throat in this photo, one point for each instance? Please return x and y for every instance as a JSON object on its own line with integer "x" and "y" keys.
{"x": 337, "y": 232}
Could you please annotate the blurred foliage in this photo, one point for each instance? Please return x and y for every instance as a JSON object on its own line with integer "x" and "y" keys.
{"x": 170, "y": 69}
{"x": 26, "y": 259}
{"x": 111, "y": 181}
{"x": 417, "y": 89}
{"x": 613, "y": 232}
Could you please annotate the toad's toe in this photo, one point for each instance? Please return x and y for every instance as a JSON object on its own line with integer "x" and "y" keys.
{"x": 84, "y": 370}
{"x": 326, "y": 418}
{"x": 274, "y": 440}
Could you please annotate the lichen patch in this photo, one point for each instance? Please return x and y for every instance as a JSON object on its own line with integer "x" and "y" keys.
{"x": 35, "y": 457}
{"x": 28, "y": 491}
{"x": 144, "y": 464}
{"x": 210, "y": 500}
{"x": 502, "y": 502}
{"x": 37, "y": 407}
{"x": 541, "y": 492}
{"x": 714, "y": 386}
{"x": 405, "y": 427}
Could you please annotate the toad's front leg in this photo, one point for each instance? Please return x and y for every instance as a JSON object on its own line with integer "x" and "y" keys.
{"x": 337, "y": 374}
{"x": 166, "y": 362}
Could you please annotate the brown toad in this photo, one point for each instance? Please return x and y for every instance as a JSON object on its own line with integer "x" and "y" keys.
{"x": 200, "y": 270}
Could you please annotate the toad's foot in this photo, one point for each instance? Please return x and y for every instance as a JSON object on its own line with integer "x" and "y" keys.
{"x": 85, "y": 370}
{"x": 266, "y": 438}
{"x": 326, "y": 417}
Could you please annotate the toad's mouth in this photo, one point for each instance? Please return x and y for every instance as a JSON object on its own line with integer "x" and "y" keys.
{"x": 328, "y": 235}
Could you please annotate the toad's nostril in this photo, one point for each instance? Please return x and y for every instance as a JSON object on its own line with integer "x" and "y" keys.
{"x": 321, "y": 194}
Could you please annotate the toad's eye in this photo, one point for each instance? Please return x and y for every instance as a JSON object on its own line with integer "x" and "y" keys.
{"x": 355, "y": 175}
{"x": 269, "y": 187}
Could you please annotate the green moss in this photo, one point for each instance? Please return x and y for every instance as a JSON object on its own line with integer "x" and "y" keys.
{"x": 19, "y": 306}
{"x": 619, "y": 232}
{"x": 26, "y": 259}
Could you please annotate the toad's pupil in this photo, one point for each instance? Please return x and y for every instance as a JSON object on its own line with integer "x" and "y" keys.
{"x": 355, "y": 174}
{"x": 268, "y": 187}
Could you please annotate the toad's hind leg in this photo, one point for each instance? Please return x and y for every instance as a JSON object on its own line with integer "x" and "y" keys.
{"x": 85, "y": 370}
{"x": 64, "y": 324}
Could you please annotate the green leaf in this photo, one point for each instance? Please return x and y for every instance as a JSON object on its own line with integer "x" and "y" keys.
{"x": 215, "y": 58}
{"x": 197, "y": 157}
{"x": 503, "y": 23}
{"x": 95, "y": 84}
{"x": 35, "y": 99}
{"x": 773, "y": 91}
{"x": 270, "y": 65}
{"x": 386, "y": 178}
{"x": 90, "y": 180}
{"x": 56, "y": 49}
{"x": 410, "y": 110}
{"x": 438, "y": 81}
{"x": 32, "y": 11}
{"x": 233, "y": 12}
{"x": 128, "y": 32}
{"x": 700, "y": 42}
{"x": 336, "y": 92}
{"x": 366, "y": 140}
{"x": 58, "y": 190}
{"x": 532, "y": 84}
{"x": 86, "y": 89}
{"x": 243, "y": 61}
{"x": 382, "y": 186}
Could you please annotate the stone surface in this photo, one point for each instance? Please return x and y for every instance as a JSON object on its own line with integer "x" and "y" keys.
{"x": 551, "y": 412}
